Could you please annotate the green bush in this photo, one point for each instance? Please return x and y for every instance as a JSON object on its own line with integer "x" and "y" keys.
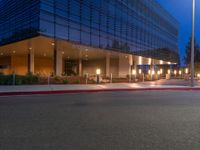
{"x": 19, "y": 80}
{"x": 6, "y": 80}
{"x": 56, "y": 78}
{"x": 77, "y": 82}
{"x": 28, "y": 79}
{"x": 65, "y": 81}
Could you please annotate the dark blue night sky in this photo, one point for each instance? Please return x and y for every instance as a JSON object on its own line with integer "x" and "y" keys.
{"x": 181, "y": 10}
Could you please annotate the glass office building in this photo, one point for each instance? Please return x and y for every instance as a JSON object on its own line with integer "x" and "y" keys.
{"x": 78, "y": 36}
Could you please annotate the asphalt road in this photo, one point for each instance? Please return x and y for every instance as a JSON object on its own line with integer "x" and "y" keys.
{"x": 155, "y": 120}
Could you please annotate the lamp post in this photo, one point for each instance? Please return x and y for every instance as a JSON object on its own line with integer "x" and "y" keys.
{"x": 192, "y": 44}
{"x": 98, "y": 72}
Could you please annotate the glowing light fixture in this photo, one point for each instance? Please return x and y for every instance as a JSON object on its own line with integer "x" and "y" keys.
{"x": 186, "y": 70}
{"x": 140, "y": 60}
{"x": 98, "y": 71}
{"x": 161, "y": 71}
{"x": 133, "y": 72}
{"x": 175, "y": 72}
{"x": 169, "y": 72}
{"x": 149, "y": 61}
{"x": 161, "y": 62}
{"x": 140, "y": 71}
{"x": 153, "y": 72}
{"x": 180, "y": 72}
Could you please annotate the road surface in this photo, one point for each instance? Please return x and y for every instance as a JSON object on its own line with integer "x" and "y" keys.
{"x": 149, "y": 120}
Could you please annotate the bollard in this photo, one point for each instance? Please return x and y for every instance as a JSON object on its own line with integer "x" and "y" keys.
{"x": 48, "y": 80}
{"x": 130, "y": 78}
{"x": 14, "y": 78}
{"x": 98, "y": 78}
{"x": 86, "y": 79}
{"x": 111, "y": 78}
{"x": 143, "y": 77}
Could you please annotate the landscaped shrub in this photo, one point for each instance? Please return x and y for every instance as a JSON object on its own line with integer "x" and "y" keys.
{"x": 28, "y": 79}
{"x": 56, "y": 78}
{"x": 6, "y": 80}
{"x": 65, "y": 81}
{"x": 77, "y": 82}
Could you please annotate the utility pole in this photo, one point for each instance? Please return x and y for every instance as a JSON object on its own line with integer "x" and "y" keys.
{"x": 192, "y": 43}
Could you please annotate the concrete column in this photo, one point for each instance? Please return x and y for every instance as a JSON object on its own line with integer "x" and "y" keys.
{"x": 130, "y": 64}
{"x": 58, "y": 62}
{"x": 123, "y": 66}
{"x": 107, "y": 65}
{"x": 80, "y": 66}
{"x": 31, "y": 63}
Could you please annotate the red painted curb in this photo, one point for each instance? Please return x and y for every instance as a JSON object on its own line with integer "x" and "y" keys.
{"x": 94, "y": 91}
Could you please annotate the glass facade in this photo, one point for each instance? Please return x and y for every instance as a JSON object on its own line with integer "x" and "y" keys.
{"x": 19, "y": 19}
{"x": 140, "y": 27}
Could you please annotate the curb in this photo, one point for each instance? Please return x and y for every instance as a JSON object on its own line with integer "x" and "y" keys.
{"x": 94, "y": 91}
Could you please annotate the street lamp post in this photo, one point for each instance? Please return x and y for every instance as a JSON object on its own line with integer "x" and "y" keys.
{"x": 192, "y": 43}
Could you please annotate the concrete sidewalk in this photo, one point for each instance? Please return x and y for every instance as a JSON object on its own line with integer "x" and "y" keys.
{"x": 58, "y": 89}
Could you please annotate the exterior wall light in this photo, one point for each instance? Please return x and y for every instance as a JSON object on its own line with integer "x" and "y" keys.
{"x": 153, "y": 72}
{"x": 180, "y": 72}
{"x": 149, "y": 71}
{"x": 198, "y": 75}
{"x": 161, "y": 71}
{"x": 158, "y": 72}
{"x": 133, "y": 72}
{"x": 186, "y": 70}
{"x": 169, "y": 72}
{"x": 140, "y": 71}
{"x": 149, "y": 61}
{"x": 175, "y": 72}
{"x": 98, "y": 71}
{"x": 161, "y": 62}
{"x": 140, "y": 60}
